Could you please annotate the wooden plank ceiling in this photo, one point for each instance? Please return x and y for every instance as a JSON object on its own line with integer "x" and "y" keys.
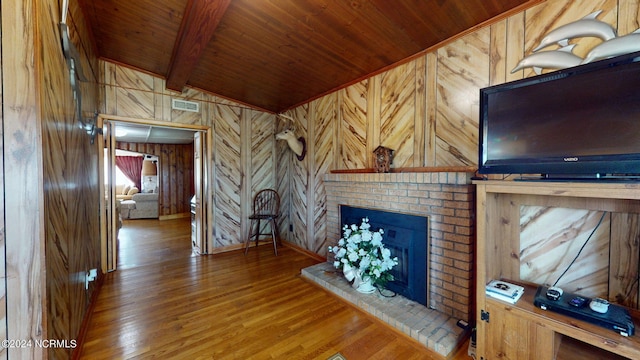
{"x": 276, "y": 54}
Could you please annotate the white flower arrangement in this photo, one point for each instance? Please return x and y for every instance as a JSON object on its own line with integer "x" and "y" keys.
{"x": 361, "y": 250}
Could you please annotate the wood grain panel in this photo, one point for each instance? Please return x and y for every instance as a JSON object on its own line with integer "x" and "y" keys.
{"x": 397, "y": 113}
{"x": 628, "y": 17}
{"x": 420, "y": 113}
{"x": 186, "y": 176}
{"x": 459, "y": 82}
{"x": 261, "y": 133}
{"x": 431, "y": 92}
{"x": 58, "y": 169}
{"x": 502, "y": 236}
{"x": 186, "y": 117}
{"x": 373, "y": 118}
{"x": 513, "y": 343}
{"x": 325, "y": 120}
{"x": 506, "y": 49}
{"x": 623, "y": 262}
{"x": 79, "y": 35}
{"x": 108, "y": 76}
{"x": 299, "y": 187}
{"x": 262, "y": 145}
{"x": 131, "y": 79}
{"x": 161, "y": 102}
{"x": 246, "y": 197}
{"x": 229, "y": 175}
{"x": 312, "y": 183}
{"x": 135, "y": 103}
{"x": 136, "y": 94}
{"x": 545, "y": 255}
{"x": 283, "y": 178}
{"x": 71, "y": 232}
{"x": 499, "y": 38}
{"x": 25, "y": 223}
{"x": 169, "y": 171}
{"x": 85, "y": 244}
{"x": 515, "y": 37}
{"x": 353, "y": 130}
{"x": 212, "y": 172}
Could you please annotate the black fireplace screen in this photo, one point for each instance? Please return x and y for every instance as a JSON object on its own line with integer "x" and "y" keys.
{"x": 406, "y": 236}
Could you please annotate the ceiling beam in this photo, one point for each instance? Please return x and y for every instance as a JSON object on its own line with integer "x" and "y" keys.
{"x": 198, "y": 25}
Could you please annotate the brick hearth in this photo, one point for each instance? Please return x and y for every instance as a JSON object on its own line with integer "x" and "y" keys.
{"x": 431, "y": 328}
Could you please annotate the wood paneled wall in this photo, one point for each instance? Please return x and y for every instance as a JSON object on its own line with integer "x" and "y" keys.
{"x": 243, "y": 144}
{"x": 175, "y": 174}
{"x": 70, "y": 161}
{"x": 50, "y": 179}
{"x": 229, "y": 176}
{"x": 23, "y": 223}
{"x": 425, "y": 109}
{"x": 566, "y": 230}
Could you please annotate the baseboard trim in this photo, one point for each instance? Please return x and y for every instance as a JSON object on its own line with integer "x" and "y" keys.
{"x": 267, "y": 242}
{"x": 224, "y": 249}
{"x": 174, "y": 216}
{"x": 304, "y": 251}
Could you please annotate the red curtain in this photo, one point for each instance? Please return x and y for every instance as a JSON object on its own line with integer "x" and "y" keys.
{"x": 131, "y": 167}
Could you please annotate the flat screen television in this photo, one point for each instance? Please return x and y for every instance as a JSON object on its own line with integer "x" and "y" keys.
{"x": 580, "y": 122}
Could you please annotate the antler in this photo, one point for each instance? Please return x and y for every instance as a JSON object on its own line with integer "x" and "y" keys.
{"x": 287, "y": 117}
{"x": 290, "y": 122}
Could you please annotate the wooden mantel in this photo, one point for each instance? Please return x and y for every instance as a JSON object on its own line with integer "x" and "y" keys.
{"x": 428, "y": 169}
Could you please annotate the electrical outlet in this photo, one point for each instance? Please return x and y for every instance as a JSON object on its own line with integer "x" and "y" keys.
{"x": 91, "y": 275}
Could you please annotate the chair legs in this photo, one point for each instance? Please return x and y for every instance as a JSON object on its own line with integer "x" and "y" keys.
{"x": 273, "y": 236}
{"x": 256, "y": 234}
{"x": 252, "y": 234}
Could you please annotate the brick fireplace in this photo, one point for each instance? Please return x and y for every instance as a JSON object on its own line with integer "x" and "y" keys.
{"x": 447, "y": 198}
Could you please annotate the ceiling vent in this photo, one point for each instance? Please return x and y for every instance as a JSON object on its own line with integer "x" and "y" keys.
{"x": 184, "y": 105}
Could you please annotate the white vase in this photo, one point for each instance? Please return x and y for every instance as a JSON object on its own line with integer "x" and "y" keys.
{"x": 363, "y": 284}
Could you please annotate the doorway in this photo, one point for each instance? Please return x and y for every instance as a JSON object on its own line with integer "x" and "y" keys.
{"x": 120, "y": 130}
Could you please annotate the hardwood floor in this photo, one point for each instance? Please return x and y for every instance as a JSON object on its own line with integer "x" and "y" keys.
{"x": 164, "y": 303}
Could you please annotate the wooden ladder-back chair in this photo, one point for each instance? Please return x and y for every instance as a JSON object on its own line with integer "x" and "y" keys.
{"x": 266, "y": 207}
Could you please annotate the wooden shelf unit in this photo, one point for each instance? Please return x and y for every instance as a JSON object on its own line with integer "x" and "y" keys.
{"x": 523, "y": 331}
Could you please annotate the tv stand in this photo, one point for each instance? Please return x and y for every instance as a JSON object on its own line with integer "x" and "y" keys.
{"x": 591, "y": 178}
{"x": 523, "y": 330}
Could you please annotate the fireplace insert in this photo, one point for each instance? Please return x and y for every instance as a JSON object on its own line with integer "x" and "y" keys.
{"x": 406, "y": 236}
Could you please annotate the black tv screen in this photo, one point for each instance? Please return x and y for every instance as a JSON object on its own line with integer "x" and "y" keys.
{"x": 581, "y": 121}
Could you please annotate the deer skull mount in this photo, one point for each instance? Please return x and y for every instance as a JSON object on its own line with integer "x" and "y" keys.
{"x": 297, "y": 145}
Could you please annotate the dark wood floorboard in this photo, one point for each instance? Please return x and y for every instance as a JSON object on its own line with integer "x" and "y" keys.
{"x": 164, "y": 303}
